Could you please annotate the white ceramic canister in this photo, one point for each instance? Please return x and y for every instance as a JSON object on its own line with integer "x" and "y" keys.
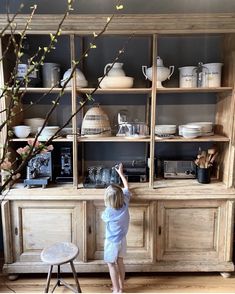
{"x": 186, "y": 78}
{"x": 214, "y": 72}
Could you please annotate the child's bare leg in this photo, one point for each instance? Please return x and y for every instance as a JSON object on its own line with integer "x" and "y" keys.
{"x": 114, "y": 277}
{"x": 121, "y": 270}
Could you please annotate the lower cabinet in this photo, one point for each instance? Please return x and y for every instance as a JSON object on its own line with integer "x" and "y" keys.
{"x": 164, "y": 235}
{"x": 139, "y": 237}
{"x": 191, "y": 231}
{"x": 35, "y": 225}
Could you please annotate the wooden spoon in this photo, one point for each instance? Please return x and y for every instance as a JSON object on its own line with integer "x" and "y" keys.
{"x": 211, "y": 152}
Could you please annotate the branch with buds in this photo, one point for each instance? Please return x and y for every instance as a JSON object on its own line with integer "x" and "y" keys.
{"x": 13, "y": 89}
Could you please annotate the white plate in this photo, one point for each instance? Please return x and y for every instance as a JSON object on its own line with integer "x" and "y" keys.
{"x": 135, "y": 137}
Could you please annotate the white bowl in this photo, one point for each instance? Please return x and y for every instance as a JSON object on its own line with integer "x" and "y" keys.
{"x": 21, "y": 131}
{"x": 48, "y": 131}
{"x": 34, "y": 123}
{"x": 165, "y": 129}
{"x": 80, "y": 79}
{"x": 120, "y": 82}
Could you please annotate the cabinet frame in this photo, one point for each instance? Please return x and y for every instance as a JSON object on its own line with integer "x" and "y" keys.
{"x": 152, "y": 26}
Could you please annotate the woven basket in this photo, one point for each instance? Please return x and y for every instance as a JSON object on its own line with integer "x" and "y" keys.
{"x": 96, "y": 123}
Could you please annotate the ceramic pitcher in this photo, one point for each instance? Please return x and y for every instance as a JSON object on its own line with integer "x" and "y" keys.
{"x": 115, "y": 71}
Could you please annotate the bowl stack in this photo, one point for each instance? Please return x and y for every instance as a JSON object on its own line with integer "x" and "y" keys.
{"x": 165, "y": 130}
{"x": 34, "y": 124}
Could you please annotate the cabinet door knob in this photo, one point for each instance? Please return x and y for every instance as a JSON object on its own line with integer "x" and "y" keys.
{"x": 159, "y": 230}
{"x": 89, "y": 229}
{"x": 16, "y": 231}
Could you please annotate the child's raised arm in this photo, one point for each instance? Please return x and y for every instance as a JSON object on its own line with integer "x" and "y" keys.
{"x": 119, "y": 170}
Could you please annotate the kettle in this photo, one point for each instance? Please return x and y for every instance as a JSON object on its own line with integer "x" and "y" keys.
{"x": 163, "y": 73}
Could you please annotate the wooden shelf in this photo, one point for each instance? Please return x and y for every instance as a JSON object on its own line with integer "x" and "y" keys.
{"x": 191, "y": 186}
{"x": 194, "y": 90}
{"x": 215, "y": 138}
{"x": 127, "y": 91}
{"x": 112, "y": 139}
{"x": 61, "y": 139}
{"x": 42, "y": 90}
{"x": 116, "y": 91}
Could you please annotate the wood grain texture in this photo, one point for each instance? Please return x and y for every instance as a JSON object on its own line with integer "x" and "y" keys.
{"x": 129, "y": 23}
{"x": 134, "y": 283}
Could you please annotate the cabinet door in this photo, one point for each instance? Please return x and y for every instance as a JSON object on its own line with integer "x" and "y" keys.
{"x": 191, "y": 230}
{"x": 139, "y": 237}
{"x": 37, "y": 224}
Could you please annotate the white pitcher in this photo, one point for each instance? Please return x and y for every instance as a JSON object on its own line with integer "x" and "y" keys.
{"x": 115, "y": 71}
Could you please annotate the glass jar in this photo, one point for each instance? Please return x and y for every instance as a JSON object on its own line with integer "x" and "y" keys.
{"x": 200, "y": 75}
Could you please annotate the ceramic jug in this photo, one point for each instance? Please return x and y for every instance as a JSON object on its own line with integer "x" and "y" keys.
{"x": 163, "y": 73}
{"x": 115, "y": 71}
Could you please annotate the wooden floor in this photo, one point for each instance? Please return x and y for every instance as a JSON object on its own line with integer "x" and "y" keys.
{"x": 135, "y": 283}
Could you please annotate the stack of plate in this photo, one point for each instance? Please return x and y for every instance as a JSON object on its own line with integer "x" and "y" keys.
{"x": 206, "y": 127}
{"x": 190, "y": 131}
{"x": 164, "y": 130}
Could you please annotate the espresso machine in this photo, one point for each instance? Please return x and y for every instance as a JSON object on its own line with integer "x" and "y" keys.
{"x": 39, "y": 170}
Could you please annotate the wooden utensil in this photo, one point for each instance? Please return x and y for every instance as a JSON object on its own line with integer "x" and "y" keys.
{"x": 211, "y": 152}
{"x": 213, "y": 158}
{"x": 203, "y": 159}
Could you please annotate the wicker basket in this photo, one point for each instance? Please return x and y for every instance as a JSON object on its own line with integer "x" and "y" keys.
{"x": 96, "y": 123}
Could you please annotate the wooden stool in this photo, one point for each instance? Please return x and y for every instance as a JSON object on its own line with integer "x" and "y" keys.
{"x": 58, "y": 254}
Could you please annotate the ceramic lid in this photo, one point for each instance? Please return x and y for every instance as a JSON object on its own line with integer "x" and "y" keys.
{"x": 159, "y": 61}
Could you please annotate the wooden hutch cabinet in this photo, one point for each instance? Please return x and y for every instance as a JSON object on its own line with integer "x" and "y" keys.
{"x": 176, "y": 224}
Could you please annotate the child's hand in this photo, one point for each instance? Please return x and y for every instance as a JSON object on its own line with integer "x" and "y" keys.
{"x": 119, "y": 168}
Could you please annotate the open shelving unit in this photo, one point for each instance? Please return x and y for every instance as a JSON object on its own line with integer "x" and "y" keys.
{"x": 165, "y": 234}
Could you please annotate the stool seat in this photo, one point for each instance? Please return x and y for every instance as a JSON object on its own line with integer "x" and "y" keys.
{"x": 59, "y": 253}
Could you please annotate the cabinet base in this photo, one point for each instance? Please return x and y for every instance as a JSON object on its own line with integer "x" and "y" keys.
{"x": 99, "y": 266}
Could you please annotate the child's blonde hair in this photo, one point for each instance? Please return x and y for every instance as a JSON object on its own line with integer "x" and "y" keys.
{"x": 114, "y": 197}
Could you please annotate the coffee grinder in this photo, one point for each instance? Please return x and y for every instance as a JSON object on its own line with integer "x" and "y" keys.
{"x": 122, "y": 122}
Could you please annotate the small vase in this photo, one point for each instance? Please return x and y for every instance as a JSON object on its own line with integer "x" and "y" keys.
{"x": 204, "y": 175}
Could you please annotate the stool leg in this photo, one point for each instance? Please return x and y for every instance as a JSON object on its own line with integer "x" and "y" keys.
{"x": 58, "y": 276}
{"x": 75, "y": 277}
{"x": 48, "y": 279}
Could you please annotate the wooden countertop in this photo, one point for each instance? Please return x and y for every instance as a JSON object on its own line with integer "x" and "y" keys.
{"x": 164, "y": 190}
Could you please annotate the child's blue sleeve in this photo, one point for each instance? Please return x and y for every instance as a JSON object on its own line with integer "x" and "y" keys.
{"x": 127, "y": 195}
{"x": 105, "y": 215}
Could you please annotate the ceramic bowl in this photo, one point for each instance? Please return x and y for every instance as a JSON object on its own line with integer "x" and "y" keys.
{"x": 120, "y": 82}
{"x": 48, "y": 131}
{"x": 34, "y": 124}
{"x": 80, "y": 79}
{"x": 165, "y": 129}
{"x": 21, "y": 131}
